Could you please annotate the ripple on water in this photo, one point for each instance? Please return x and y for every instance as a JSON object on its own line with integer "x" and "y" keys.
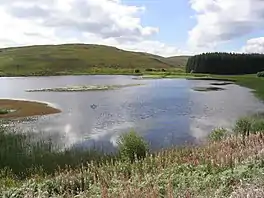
{"x": 165, "y": 112}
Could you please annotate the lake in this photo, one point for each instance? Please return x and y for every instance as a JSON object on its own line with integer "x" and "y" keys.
{"x": 164, "y": 111}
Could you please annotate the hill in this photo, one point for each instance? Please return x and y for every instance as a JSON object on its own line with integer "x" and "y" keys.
{"x": 75, "y": 58}
{"x": 177, "y": 61}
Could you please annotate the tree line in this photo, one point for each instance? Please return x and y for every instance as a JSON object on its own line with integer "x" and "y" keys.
{"x": 225, "y": 63}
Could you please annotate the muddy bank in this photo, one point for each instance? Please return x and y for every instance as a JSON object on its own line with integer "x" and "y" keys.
{"x": 21, "y": 109}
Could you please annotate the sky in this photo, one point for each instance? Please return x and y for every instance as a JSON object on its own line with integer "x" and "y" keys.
{"x": 162, "y": 27}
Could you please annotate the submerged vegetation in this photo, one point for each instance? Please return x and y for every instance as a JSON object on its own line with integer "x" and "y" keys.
{"x": 83, "y": 88}
{"x": 208, "y": 88}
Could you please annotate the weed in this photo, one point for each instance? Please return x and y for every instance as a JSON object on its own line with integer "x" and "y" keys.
{"x": 131, "y": 146}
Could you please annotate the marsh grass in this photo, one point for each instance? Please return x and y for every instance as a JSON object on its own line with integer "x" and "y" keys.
{"x": 24, "y": 156}
{"x": 219, "y": 168}
{"x": 211, "y": 170}
{"x": 247, "y": 125}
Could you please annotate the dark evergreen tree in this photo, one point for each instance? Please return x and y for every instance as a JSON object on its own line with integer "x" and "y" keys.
{"x": 226, "y": 63}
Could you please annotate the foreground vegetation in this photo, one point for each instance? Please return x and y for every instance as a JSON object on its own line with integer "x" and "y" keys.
{"x": 229, "y": 165}
{"x": 79, "y": 59}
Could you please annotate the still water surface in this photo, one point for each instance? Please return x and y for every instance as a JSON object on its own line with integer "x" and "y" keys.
{"x": 165, "y": 111}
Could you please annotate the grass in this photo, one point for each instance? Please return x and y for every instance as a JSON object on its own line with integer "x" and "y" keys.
{"x": 83, "y": 88}
{"x": 80, "y": 59}
{"x": 219, "y": 168}
{"x": 20, "y": 109}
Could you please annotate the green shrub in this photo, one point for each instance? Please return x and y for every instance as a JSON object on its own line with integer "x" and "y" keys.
{"x": 260, "y": 74}
{"x": 243, "y": 126}
{"x": 4, "y": 111}
{"x": 257, "y": 125}
{"x": 131, "y": 146}
{"x": 137, "y": 71}
{"x": 218, "y": 134}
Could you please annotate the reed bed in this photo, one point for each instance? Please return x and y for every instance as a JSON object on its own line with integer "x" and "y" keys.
{"x": 231, "y": 166}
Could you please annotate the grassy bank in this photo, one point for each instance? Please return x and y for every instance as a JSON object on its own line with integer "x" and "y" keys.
{"x": 229, "y": 165}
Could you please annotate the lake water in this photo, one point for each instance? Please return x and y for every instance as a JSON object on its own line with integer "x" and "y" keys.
{"x": 165, "y": 111}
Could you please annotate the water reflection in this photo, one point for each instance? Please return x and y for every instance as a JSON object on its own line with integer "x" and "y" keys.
{"x": 166, "y": 112}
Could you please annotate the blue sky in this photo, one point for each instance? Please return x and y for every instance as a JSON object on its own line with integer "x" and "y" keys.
{"x": 171, "y": 16}
{"x": 164, "y": 27}
{"x": 175, "y": 18}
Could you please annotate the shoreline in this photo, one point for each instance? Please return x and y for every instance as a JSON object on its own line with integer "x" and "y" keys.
{"x": 23, "y": 108}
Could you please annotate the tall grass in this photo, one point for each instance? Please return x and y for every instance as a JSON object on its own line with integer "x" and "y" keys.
{"x": 247, "y": 125}
{"x": 24, "y": 157}
{"x": 219, "y": 168}
{"x": 207, "y": 171}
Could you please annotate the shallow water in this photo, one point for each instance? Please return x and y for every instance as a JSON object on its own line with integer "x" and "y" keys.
{"x": 165, "y": 111}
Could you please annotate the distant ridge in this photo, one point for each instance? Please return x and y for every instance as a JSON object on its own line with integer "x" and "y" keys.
{"x": 79, "y": 58}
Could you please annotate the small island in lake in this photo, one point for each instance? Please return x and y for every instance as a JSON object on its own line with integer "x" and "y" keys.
{"x": 83, "y": 88}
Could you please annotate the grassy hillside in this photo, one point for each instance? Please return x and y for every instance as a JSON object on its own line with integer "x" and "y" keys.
{"x": 74, "y": 59}
{"x": 177, "y": 61}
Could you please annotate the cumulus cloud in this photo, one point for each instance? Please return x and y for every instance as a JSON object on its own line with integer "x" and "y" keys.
{"x": 254, "y": 45}
{"x": 27, "y": 22}
{"x": 223, "y": 20}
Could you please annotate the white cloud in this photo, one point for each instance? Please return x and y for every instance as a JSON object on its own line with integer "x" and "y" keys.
{"x": 28, "y": 22}
{"x": 254, "y": 45}
{"x": 223, "y": 20}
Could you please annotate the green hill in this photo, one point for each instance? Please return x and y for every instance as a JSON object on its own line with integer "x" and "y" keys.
{"x": 177, "y": 61}
{"x": 76, "y": 59}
